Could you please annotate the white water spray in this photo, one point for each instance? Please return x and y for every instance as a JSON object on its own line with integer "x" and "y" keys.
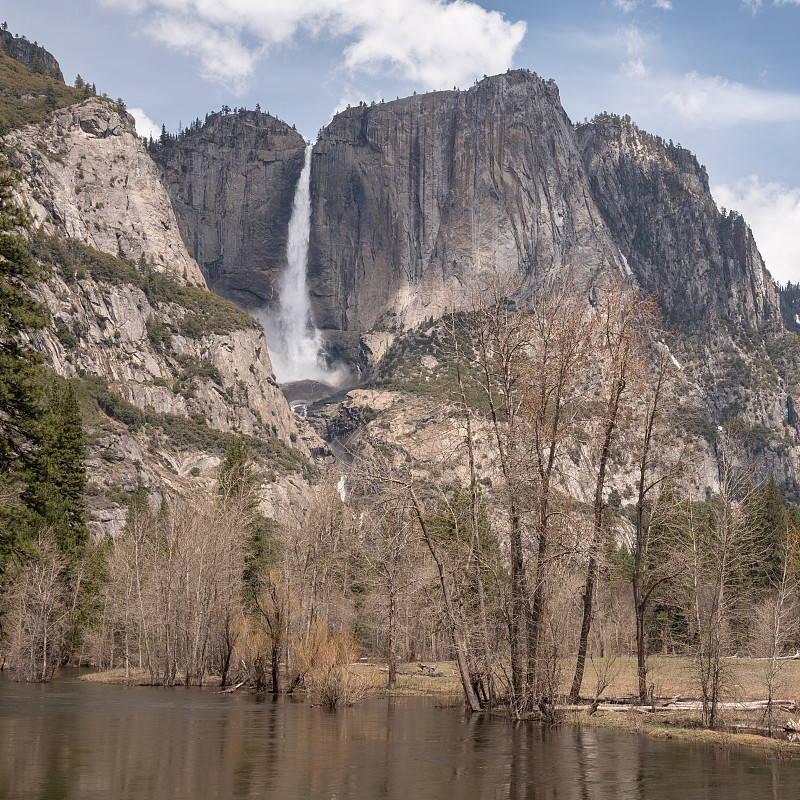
{"x": 295, "y": 343}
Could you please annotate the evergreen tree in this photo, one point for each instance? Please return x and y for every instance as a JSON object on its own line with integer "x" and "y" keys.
{"x": 19, "y": 365}
{"x": 20, "y": 368}
{"x": 237, "y": 476}
{"x": 767, "y": 518}
{"x": 57, "y": 474}
{"x": 138, "y": 517}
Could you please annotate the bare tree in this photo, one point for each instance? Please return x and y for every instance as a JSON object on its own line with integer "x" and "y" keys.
{"x": 627, "y": 323}
{"x": 720, "y": 551}
{"x": 656, "y": 558}
{"x": 175, "y": 583}
{"x": 773, "y": 617}
{"x": 553, "y": 379}
{"x": 476, "y": 554}
{"x": 40, "y": 617}
{"x": 502, "y": 336}
{"x": 397, "y": 488}
{"x": 268, "y": 628}
{"x": 387, "y": 545}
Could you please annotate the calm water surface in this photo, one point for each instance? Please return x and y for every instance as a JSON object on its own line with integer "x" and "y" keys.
{"x": 70, "y": 739}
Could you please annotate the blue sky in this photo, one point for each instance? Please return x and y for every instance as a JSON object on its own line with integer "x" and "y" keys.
{"x": 722, "y": 77}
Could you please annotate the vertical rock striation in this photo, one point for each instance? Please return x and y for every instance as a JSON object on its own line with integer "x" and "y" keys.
{"x": 231, "y": 185}
{"x": 655, "y": 200}
{"x": 413, "y": 199}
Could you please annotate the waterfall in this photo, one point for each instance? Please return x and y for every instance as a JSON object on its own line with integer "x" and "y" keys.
{"x": 295, "y": 344}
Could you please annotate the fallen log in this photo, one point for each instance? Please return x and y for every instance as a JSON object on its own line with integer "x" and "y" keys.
{"x": 231, "y": 689}
{"x": 795, "y": 657}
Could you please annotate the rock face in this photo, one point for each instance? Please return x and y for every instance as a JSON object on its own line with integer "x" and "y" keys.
{"x": 222, "y": 382}
{"x": 654, "y": 199}
{"x": 232, "y": 184}
{"x": 107, "y": 331}
{"x": 87, "y": 175}
{"x": 714, "y": 290}
{"x": 30, "y": 54}
{"x": 190, "y": 368}
{"x": 414, "y": 199}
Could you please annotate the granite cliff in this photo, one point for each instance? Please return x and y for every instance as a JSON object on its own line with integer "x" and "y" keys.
{"x": 413, "y": 200}
{"x": 36, "y": 58}
{"x": 165, "y": 370}
{"x": 87, "y": 176}
{"x": 231, "y": 185}
{"x": 703, "y": 264}
{"x": 655, "y": 201}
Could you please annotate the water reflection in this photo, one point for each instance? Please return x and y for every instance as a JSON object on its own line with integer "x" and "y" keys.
{"x": 77, "y": 740}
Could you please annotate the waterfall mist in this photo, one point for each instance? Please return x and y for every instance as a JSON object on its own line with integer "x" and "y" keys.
{"x": 295, "y": 344}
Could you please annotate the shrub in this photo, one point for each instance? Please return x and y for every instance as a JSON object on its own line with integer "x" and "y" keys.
{"x": 324, "y": 662}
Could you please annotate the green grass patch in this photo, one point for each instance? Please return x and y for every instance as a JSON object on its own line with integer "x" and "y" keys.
{"x": 206, "y": 312}
{"x": 28, "y": 97}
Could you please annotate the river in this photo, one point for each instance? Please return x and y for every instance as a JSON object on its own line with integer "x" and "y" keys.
{"x": 72, "y": 739}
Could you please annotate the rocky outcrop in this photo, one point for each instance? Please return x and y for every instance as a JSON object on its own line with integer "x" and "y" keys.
{"x": 414, "y": 199}
{"x": 215, "y": 381}
{"x": 117, "y": 333}
{"x": 737, "y": 357}
{"x": 231, "y": 183}
{"x": 165, "y": 368}
{"x": 30, "y": 54}
{"x": 86, "y": 175}
{"x": 654, "y": 198}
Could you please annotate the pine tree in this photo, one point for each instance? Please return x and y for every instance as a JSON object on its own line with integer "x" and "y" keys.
{"x": 19, "y": 365}
{"x": 237, "y": 477}
{"x": 57, "y": 473}
{"x": 767, "y": 518}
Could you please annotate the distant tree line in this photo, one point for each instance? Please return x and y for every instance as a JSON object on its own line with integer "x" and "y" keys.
{"x": 167, "y": 139}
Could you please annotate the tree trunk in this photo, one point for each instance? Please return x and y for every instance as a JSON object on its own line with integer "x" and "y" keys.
{"x": 591, "y": 571}
{"x": 459, "y": 642}
{"x": 392, "y": 683}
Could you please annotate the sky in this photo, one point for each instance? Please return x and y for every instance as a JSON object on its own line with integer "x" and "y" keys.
{"x": 720, "y": 77}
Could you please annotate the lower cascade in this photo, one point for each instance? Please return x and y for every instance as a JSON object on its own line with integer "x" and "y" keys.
{"x": 295, "y": 343}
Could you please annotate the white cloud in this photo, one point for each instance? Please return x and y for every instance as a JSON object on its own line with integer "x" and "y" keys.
{"x": 754, "y": 5}
{"x": 773, "y": 212}
{"x": 144, "y": 125}
{"x": 222, "y": 55}
{"x": 787, "y": 2}
{"x": 435, "y": 43}
{"x": 665, "y": 5}
{"x": 635, "y": 46}
{"x": 633, "y": 40}
{"x": 716, "y": 102}
{"x": 635, "y": 68}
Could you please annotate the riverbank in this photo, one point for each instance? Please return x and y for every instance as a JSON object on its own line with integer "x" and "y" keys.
{"x": 670, "y": 677}
{"x": 686, "y": 729}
